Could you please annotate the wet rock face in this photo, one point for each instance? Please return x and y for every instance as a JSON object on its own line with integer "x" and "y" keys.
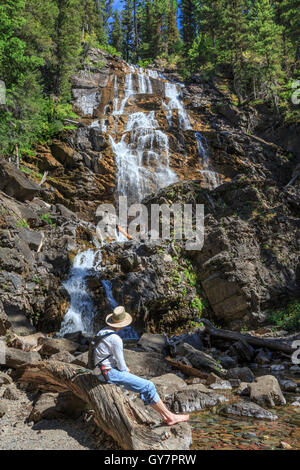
{"x": 36, "y": 242}
{"x": 153, "y": 286}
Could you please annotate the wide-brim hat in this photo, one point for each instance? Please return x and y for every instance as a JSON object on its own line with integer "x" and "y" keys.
{"x": 119, "y": 318}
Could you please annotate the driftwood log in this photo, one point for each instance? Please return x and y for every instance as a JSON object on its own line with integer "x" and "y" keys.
{"x": 126, "y": 422}
{"x": 272, "y": 344}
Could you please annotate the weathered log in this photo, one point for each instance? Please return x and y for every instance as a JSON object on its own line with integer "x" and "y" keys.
{"x": 186, "y": 369}
{"x": 272, "y": 344}
{"x": 117, "y": 415}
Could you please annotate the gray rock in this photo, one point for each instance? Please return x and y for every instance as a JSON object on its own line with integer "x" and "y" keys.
{"x": 4, "y": 322}
{"x": 32, "y": 238}
{"x": 242, "y": 373}
{"x": 266, "y": 391}
{"x": 146, "y": 364}
{"x": 5, "y": 379}
{"x": 15, "y": 184}
{"x": 63, "y": 356}
{"x": 262, "y": 358}
{"x": 54, "y": 345}
{"x": 194, "y": 398}
{"x": 288, "y": 385}
{"x": 227, "y": 362}
{"x": 151, "y": 342}
{"x": 167, "y": 384}
{"x": 15, "y": 357}
{"x": 243, "y": 408}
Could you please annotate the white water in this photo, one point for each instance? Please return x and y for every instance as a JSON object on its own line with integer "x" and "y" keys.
{"x": 211, "y": 178}
{"x": 142, "y": 160}
{"x": 81, "y": 312}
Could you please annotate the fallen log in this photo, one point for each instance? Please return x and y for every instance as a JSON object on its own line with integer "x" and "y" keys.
{"x": 186, "y": 369}
{"x": 126, "y": 422}
{"x": 272, "y": 344}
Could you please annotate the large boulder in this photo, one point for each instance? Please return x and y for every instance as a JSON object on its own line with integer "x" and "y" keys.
{"x": 167, "y": 384}
{"x": 151, "y": 342}
{"x": 51, "y": 346}
{"x": 194, "y": 397}
{"x": 15, "y": 357}
{"x": 266, "y": 391}
{"x": 242, "y": 373}
{"x": 15, "y": 184}
{"x": 56, "y": 405}
{"x": 146, "y": 364}
{"x": 252, "y": 410}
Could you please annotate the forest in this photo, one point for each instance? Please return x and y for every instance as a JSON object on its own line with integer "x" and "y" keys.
{"x": 253, "y": 42}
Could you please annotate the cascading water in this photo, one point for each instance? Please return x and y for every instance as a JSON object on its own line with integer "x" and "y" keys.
{"x": 212, "y": 179}
{"x": 142, "y": 160}
{"x": 81, "y": 312}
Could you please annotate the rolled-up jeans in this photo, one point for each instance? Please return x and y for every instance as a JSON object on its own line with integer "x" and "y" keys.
{"x": 132, "y": 382}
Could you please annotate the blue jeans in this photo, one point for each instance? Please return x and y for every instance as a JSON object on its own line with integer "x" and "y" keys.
{"x": 131, "y": 382}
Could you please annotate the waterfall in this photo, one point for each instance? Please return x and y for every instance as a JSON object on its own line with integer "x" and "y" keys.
{"x": 128, "y": 89}
{"x": 81, "y": 312}
{"x": 211, "y": 178}
{"x": 171, "y": 92}
{"x": 142, "y": 149}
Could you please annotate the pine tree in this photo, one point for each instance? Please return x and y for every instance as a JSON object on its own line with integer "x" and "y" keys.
{"x": 127, "y": 29}
{"x": 188, "y": 9}
{"x": 173, "y": 36}
{"x": 115, "y": 35}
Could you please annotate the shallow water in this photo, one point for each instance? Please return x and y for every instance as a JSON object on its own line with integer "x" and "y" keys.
{"x": 213, "y": 431}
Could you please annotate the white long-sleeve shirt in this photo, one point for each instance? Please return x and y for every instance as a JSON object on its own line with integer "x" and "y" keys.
{"x": 112, "y": 344}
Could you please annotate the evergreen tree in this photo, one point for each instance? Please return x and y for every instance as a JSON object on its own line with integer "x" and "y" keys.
{"x": 173, "y": 36}
{"x": 116, "y": 39}
{"x": 188, "y": 22}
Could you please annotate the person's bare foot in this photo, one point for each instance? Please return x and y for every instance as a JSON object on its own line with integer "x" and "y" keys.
{"x": 177, "y": 419}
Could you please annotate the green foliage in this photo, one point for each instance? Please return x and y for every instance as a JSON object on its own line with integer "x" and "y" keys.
{"x": 22, "y": 223}
{"x": 198, "y": 304}
{"x": 287, "y": 318}
{"x": 47, "y": 218}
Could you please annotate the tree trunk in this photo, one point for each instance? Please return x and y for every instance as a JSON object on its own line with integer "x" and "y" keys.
{"x": 127, "y": 423}
{"x": 272, "y": 344}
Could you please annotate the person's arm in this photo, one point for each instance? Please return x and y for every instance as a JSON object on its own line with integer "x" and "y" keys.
{"x": 117, "y": 350}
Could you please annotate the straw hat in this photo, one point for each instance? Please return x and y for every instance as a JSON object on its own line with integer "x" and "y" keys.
{"x": 119, "y": 318}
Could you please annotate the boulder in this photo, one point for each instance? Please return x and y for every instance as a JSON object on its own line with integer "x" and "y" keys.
{"x": 32, "y": 238}
{"x": 242, "y": 373}
{"x": 244, "y": 351}
{"x": 227, "y": 362}
{"x": 25, "y": 343}
{"x": 81, "y": 359}
{"x": 63, "y": 356}
{"x": 262, "y": 358}
{"x": 215, "y": 383}
{"x": 15, "y": 357}
{"x": 167, "y": 384}
{"x": 200, "y": 360}
{"x": 288, "y": 385}
{"x": 51, "y": 346}
{"x": 15, "y": 184}
{"x": 146, "y": 364}
{"x": 151, "y": 342}
{"x": 243, "y": 408}
{"x": 266, "y": 391}
{"x": 194, "y": 397}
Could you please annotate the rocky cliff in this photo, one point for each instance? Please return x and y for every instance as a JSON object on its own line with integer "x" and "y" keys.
{"x": 138, "y": 131}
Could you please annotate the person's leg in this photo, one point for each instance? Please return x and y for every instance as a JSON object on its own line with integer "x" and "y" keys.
{"x": 148, "y": 394}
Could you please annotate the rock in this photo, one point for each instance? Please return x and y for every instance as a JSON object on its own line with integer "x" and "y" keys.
{"x": 285, "y": 445}
{"x": 4, "y": 323}
{"x": 194, "y": 398}
{"x": 98, "y": 140}
{"x": 15, "y": 357}
{"x": 222, "y": 385}
{"x": 64, "y": 356}
{"x": 262, "y": 358}
{"x": 146, "y": 364}
{"x": 227, "y": 362}
{"x": 266, "y": 391}
{"x": 243, "y": 408}
{"x": 296, "y": 402}
{"x": 81, "y": 359}
{"x": 277, "y": 367}
{"x": 32, "y": 238}
{"x": 244, "y": 351}
{"x": 76, "y": 336}
{"x": 288, "y": 385}
{"x": 20, "y": 324}
{"x": 199, "y": 359}
{"x": 235, "y": 382}
{"x": 51, "y": 346}
{"x": 15, "y": 184}
{"x": 5, "y": 379}
{"x": 242, "y": 373}
{"x": 151, "y": 342}
{"x": 10, "y": 393}
{"x": 243, "y": 389}
{"x": 25, "y": 343}
{"x": 3, "y": 409}
{"x": 167, "y": 384}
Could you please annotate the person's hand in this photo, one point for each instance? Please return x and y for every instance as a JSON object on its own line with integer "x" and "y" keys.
{"x": 128, "y": 370}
